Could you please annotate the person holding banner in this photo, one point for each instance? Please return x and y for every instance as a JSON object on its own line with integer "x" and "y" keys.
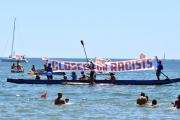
{"x": 91, "y": 66}
{"x": 159, "y": 68}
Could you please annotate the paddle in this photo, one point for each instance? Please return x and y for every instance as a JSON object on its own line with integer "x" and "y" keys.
{"x": 84, "y": 50}
{"x": 91, "y": 81}
{"x": 161, "y": 71}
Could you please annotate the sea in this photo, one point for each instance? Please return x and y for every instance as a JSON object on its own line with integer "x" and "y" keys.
{"x": 87, "y": 102}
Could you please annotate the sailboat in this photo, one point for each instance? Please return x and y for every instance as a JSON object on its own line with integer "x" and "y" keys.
{"x": 12, "y": 57}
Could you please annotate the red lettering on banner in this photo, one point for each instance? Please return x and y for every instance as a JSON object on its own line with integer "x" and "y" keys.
{"x": 67, "y": 66}
{"x": 144, "y": 64}
{"x": 55, "y": 65}
{"x": 138, "y": 65}
{"x": 113, "y": 67}
{"x": 73, "y": 66}
{"x": 105, "y": 67}
{"x": 98, "y": 68}
{"x": 60, "y": 66}
{"x": 133, "y": 64}
{"x": 79, "y": 65}
{"x": 120, "y": 66}
{"x": 127, "y": 65}
{"x": 149, "y": 63}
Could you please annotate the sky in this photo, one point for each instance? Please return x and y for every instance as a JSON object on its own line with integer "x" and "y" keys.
{"x": 109, "y": 28}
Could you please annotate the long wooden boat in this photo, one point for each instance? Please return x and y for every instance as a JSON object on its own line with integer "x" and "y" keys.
{"x": 77, "y": 82}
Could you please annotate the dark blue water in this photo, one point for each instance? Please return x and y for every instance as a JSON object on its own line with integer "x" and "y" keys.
{"x": 23, "y": 102}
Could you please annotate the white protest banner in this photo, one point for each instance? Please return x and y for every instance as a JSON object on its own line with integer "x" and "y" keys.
{"x": 103, "y": 66}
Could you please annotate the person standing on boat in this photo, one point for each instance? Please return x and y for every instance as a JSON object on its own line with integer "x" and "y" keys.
{"x": 49, "y": 71}
{"x": 159, "y": 68}
{"x": 91, "y": 66}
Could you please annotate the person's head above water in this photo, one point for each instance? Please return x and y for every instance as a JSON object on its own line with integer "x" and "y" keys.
{"x": 66, "y": 100}
{"x": 178, "y": 97}
{"x": 60, "y": 95}
{"x": 142, "y": 94}
{"x": 154, "y": 102}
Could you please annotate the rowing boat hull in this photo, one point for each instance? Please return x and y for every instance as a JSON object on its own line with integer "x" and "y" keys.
{"x": 116, "y": 82}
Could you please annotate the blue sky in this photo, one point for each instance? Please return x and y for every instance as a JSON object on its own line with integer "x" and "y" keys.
{"x": 109, "y": 28}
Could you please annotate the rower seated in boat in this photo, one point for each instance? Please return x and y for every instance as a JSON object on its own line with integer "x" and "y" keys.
{"x": 177, "y": 102}
{"x": 18, "y": 65}
{"x": 64, "y": 76}
{"x": 142, "y": 100}
{"x": 112, "y": 76}
{"x": 37, "y": 77}
{"x": 33, "y": 68}
{"x": 13, "y": 66}
{"x": 73, "y": 75}
{"x": 44, "y": 69}
{"x": 83, "y": 76}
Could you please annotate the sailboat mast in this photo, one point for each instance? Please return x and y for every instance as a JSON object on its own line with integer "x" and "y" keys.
{"x": 12, "y": 47}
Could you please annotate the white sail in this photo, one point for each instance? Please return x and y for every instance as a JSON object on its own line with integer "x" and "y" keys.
{"x": 12, "y": 57}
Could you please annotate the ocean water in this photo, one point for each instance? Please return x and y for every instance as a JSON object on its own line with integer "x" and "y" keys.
{"x": 98, "y": 102}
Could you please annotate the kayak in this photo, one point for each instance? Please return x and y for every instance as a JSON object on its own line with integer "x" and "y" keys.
{"x": 115, "y": 82}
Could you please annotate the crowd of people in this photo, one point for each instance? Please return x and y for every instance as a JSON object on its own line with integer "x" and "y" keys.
{"x": 17, "y": 68}
{"x": 48, "y": 70}
{"x": 144, "y": 100}
{"x": 49, "y": 73}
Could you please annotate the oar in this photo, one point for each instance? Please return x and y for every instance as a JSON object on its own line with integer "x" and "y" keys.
{"x": 165, "y": 76}
{"x": 84, "y": 50}
{"x": 162, "y": 72}
{"x": 91, "y": 81}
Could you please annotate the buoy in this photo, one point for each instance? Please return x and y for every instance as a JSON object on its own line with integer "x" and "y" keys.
{"x": 43, "y": 95}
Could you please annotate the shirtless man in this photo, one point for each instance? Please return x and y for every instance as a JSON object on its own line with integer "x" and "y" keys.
{"x": 58, "y": 100}
{"x": 177, "y": 102}
{"x": 142, "y": 100}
